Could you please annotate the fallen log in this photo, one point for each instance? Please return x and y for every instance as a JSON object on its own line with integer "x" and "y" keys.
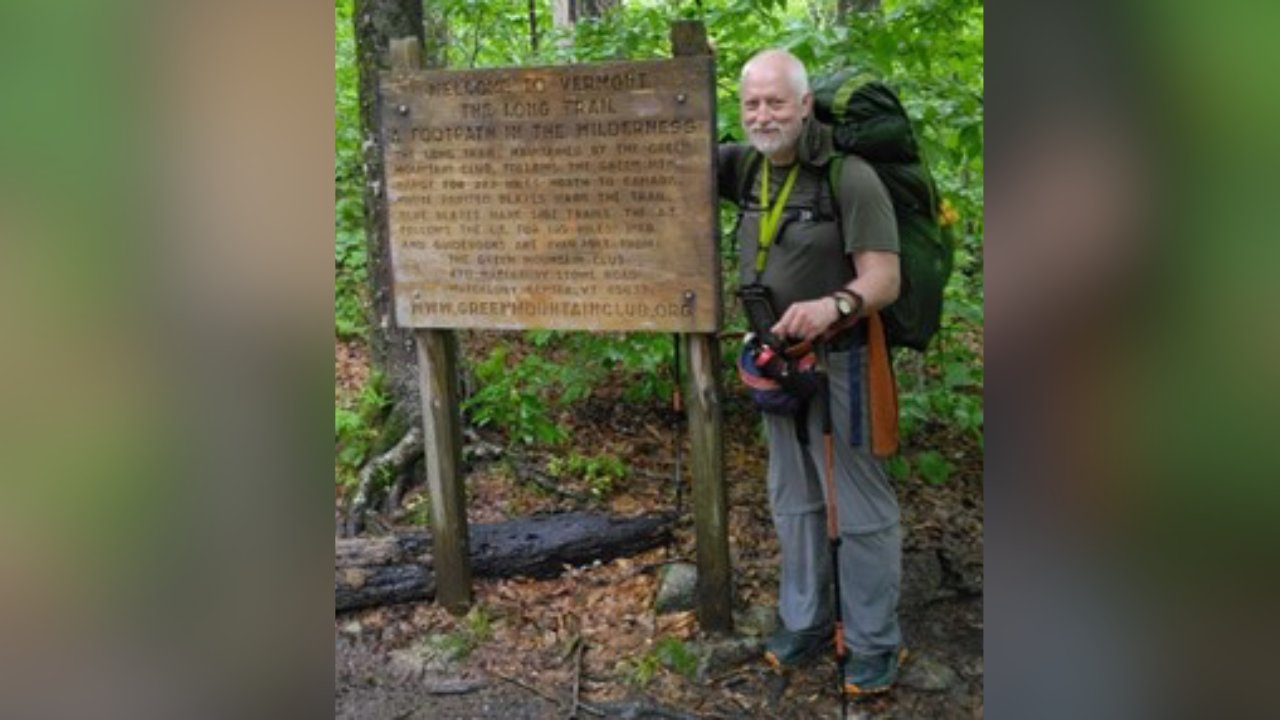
{"x": 397, "y": 569}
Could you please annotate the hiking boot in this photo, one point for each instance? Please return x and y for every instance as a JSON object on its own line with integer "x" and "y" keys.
{"x": 786, "y": 649}
{"x": 869, "y": 675}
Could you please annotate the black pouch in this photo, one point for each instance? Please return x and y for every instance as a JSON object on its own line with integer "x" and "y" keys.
{"x": 779, "y": 384}
{"x": 757, "y": 305}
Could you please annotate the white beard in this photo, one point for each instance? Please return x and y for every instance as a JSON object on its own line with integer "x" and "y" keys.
{"x": 770, "y": 143}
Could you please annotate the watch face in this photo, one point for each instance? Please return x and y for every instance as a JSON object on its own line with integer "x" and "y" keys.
{"x": 843, "y": 305}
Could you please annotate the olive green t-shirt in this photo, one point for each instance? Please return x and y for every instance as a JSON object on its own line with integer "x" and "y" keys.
{"x": 809, "y": 257}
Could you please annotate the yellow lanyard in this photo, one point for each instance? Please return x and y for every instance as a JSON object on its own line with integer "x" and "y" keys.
{"x": 769, "y": 223}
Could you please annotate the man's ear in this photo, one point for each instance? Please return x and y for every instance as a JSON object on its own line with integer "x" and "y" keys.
{"x": 806, "y": 104}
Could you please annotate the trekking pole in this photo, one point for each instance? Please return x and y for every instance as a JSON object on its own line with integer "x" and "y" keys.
{"x": 677, "y": 410}
{"x": 833, "y": 522}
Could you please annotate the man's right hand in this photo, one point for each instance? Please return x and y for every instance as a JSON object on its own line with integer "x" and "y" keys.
{"x": 807, "y": 320}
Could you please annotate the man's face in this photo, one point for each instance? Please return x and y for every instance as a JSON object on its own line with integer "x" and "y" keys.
{"x": 772, "y": 113}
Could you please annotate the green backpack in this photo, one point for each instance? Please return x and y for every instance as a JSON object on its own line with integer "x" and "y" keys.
{"x": 867, "y": 120}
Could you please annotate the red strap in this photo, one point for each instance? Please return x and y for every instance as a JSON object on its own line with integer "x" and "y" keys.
{"x": 805, "y": 347}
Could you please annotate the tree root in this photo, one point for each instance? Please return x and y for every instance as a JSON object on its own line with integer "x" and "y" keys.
{"x": 577, "y": 677}
{"x": 393, "y": 461}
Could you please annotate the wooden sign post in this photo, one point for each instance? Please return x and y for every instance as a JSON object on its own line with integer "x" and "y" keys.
{"x": 442, "y": 437}
{"x": 706, "y": 429}
{"x": 577, "y": 197}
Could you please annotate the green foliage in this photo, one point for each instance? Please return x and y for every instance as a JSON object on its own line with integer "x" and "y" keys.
{"x": 669, "y": 652}
{"x": 946, "y": 394}
{"x": 640, "y": 671}
{"x": 351, "y": 255}
{"x": 352, "y": 436}
{"x": 523, "y": 396}
{"x": 448, "y": 647}
{"x": 347, "y": 105}
{"x": 944, "y": 388}
{"x": 930, "y": 51}
{"x": 624, "y": 33}
{"x": 491, "y": 34}
{"x": 517, "y": 396}
{"x": 417, "y": 509}
{"x": 934, "y": 467}
{"x": 351, "y": 274}
{"x": 644, "y": 358}
{"x": 478, "y": 624}
{"x": 472, "y": 631}
{"x": 600, "y": 472}
{"x": 675, "y": 655}
{"x": 356, "y": 429}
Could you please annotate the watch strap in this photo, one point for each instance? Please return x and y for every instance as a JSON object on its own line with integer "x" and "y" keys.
{"x": 854, "y": 297}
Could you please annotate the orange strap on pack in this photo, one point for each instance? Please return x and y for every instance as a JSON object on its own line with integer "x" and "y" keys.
{"x": 882, "y": 386}
{"x": 882, "y": 391}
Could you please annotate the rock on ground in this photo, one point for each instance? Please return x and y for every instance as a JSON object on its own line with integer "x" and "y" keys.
{"x": 678, "y": 588}
{"x": 924, "y": 672}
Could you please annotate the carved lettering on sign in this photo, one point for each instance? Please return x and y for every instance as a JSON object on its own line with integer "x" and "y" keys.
{"x": 577, "y": 197}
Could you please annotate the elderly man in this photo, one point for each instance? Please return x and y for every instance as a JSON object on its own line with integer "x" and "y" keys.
{"x": 820, "y": 266}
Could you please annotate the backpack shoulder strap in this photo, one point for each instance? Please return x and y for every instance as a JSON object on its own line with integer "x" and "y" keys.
{"x": 834, "y": 170}
{"x": 750, "y": 167}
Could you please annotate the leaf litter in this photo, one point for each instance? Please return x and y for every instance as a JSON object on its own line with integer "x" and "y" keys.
{"x": 535, "y": 628}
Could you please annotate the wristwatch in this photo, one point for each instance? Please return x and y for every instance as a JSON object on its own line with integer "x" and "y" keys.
{"x": 845, "y": 305}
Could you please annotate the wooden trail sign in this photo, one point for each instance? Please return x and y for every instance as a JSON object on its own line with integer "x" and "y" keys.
{"x": 576, "y": 198}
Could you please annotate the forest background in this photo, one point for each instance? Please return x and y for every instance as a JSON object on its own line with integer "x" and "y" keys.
{"x": 930, "y": 51}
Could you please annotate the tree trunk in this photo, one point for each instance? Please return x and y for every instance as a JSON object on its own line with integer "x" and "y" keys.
{"x": 595, "y": 8}
{"x": 563, "y": 13}
{"x": 377, "y": 22}
{"x": 569, "y": 12}
{"x": 533, "y": 25}
{"x": 398, "y": 569}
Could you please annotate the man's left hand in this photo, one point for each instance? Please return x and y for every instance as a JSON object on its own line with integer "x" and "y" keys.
{"x": 807, "y": 320}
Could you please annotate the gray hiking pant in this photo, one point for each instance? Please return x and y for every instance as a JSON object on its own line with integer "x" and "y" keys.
{"x": 871, "y": 545}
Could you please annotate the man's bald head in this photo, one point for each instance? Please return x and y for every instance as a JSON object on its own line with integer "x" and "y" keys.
{"x": 775, "y": 100}
{"x": 780, "y": 62}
